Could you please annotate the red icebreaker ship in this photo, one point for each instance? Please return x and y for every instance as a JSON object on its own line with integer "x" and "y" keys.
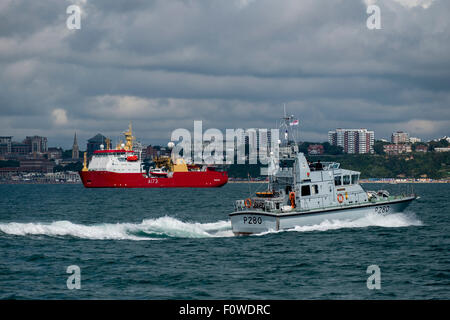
{"x": 123, "y": 168}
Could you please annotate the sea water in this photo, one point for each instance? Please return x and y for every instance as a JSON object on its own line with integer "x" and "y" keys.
{"x": 178, "y": 244}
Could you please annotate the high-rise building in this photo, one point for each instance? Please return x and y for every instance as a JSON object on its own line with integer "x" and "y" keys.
{"x": 414, "y": 140}
{"x": 264, "y": 139}
{"x": 5, "y": 144}
{"x": 352, "y": 140}
{"x": 94, "y": 144}
{"x": 150, "y": 152}
{"x": 37, "y": 144}
{"x": 75, "y": 149}
{"x": 400, "y": 137}
{"x": 54, "y": 153}
{"x": 11, "y": 148}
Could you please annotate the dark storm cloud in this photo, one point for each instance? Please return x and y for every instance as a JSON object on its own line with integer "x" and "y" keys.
{"x": 231, "y": 63}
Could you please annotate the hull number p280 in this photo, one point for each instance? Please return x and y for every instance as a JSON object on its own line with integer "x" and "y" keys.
{"x": 252, "y": 220}
{"x": 382, "y": 209}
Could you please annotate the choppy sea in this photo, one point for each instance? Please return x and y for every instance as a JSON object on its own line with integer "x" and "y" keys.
{"x": 178, "y": 244}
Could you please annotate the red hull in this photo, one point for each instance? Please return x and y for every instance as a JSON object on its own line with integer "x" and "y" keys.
{"x": 192, "y": 179}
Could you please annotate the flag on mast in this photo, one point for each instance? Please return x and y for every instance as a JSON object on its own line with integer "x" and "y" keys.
{"x": 294, "y": 123}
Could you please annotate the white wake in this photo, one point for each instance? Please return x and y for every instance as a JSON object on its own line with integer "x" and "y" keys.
{"x": 149, "y": 229}
{"x": 395, "y": 220}
{"x": 168, "y": 227}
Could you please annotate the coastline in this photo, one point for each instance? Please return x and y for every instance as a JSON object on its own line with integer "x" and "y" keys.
{"x": 380, "y": 181}
{"x": 385, "y": 181}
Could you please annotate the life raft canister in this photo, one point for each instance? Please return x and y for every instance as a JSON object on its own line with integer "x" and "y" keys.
{"x": 248, "y": 203}
{"x": 292, "y": 198}
{"x": 132, "y": 158}
{"x": 340, "y": 198}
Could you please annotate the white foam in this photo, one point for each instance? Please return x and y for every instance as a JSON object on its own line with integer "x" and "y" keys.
{"x": 148, "y": 229}
{"x": 155, "y": 229}
{"x": 395, "y": 220}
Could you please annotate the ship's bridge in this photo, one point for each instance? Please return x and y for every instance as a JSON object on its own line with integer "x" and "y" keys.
{"x": 121, "y": 161}
{"x": 346, "y": 177}
{"x": 327, "y": 171}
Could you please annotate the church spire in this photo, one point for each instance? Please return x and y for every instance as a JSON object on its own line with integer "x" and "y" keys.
{"x": 75, "y": 150}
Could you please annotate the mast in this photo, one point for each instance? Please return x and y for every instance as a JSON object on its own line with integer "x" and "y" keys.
{"x": 287, "y": 128}
{"x": 129, "y": 138}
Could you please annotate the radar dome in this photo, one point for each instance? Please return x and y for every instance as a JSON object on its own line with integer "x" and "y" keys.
{"x": 170, "y": 145}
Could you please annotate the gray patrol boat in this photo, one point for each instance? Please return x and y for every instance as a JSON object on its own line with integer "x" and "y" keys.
{"x": 300, "y": 193}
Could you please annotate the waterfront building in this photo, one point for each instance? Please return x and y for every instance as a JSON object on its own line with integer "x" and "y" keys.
{"x": 150, "y": 152}
{"x": 421, "y": 148}
{"x": 37, "y": 144}
{"x": 400, "y": 137}
{"x": 19, "y": 149}
{"x": 37, "y": 165}
{"x": 5, "y": 144}
{"x": 54, "y": 153}
{"x": 353, "y": 140}
{"x": 397, "y": 148}
{"x": 94, "y": 143}
{"x": 315, "y": 149}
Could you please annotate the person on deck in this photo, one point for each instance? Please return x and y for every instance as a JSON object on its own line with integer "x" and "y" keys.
{"x": 319, "y": 165}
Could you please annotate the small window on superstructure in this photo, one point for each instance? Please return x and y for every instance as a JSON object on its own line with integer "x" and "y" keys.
{"x": 337, "y": 180}
{"x": 314, "y": 189}
{"x": 306, "y": 191}
{"x": 355, "y": 178}
{"x": 346, "y": 180}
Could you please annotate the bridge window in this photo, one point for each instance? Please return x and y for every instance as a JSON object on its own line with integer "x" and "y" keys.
{"x": 314, "y": 189}
{"x": 355, "y": 178}
{"x": 346, "y": 180}
{"x": 337, "y": 180}
{"x": 306, "y": 191}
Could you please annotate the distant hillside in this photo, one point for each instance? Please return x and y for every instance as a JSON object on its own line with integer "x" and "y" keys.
{"x": 433, "y": 165}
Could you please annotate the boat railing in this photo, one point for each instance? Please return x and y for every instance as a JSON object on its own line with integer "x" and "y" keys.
{"x": 284, "y": 172}
{"x": 330, "y": 165}
{"x": 256, "y": 204}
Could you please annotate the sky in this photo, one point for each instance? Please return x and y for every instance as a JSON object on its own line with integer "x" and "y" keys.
{"x": 232, "y": 64}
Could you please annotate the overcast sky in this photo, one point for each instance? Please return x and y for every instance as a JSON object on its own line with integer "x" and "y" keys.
{"x": 231, "y": 63}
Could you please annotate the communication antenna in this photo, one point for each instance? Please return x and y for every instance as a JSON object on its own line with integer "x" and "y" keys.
{"x": 288, "y": 129}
